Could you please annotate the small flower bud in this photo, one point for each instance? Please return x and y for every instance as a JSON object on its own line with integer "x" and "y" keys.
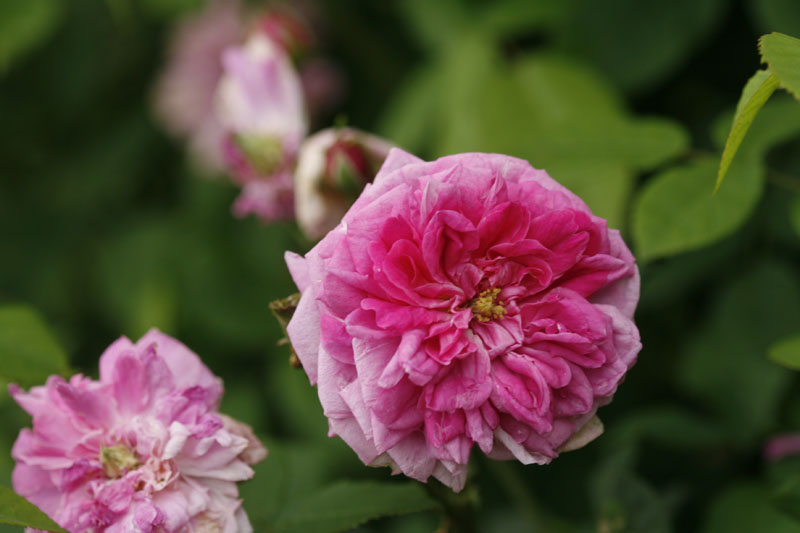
{"x": 333, "y": 167}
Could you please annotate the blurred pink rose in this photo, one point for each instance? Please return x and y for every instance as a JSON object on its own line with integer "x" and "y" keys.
{"x": 782, "y": 446}
{"x": 333, "y": 167}
{"x": 142, "y": 449}
{"x": 468, "y": 300}
{"x": 260, "y": 106}
{"x": 184, "y": 93}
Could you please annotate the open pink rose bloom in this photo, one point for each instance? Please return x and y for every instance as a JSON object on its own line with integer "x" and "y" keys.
{"x": 143, "y": 449}
{"x": 468, "y": 300}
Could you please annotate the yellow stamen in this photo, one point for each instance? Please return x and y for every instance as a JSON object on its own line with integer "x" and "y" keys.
{"x": 486, "y": 306}
{"x": 117, "y": 459}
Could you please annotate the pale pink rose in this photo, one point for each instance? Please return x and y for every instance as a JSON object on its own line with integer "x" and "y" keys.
{"x": 260, "y": 106}
{"x": 468, "y": 300}
{"x": 184, "y": 93}
{"x": 143, "y": 449}
{"x": 333, "y": 167}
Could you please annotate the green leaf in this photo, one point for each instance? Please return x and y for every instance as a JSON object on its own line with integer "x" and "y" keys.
{"x": 23, "y": 25}
{"x": 410, "y": 121}
{"x": 623, "y": 501}
{"x": 782, "y": 54}
{"x": 755, "y": 94}
{"x": 746, "y": 507}
{"x": 725, "y": 364}
{"x": 675, "y": 211}
{"x": 784, "y": 482}
{"x": 667, "y": 425}
{"x": 28, "y": 352}
{"x": 347, "y": 504}
{"x": 776, "y": 15}
{"x": 786, "y": 352}
{"x": 17, "y": 511}
{"x": 637, "y": 43}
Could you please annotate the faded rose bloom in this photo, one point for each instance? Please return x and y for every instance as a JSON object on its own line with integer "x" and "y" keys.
{"x": 260, "y": 104}
{"x": 184, "y": 93}
{"x": 468, "y": 300}
{"x": 782, "y": 446}
{"x": 333, "y": 167}
{"x": 143, "y": 449}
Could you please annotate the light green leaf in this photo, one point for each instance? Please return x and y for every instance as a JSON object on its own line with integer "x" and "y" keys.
{"x": 347, "y": 504}
{"x": 28, "y": 352}
{"x": 675, "y": 211}
{"x": 23, "y": 25}
{"x": 747, "y": 508}
{"x": 411, "y": 119}
{"x": 17, "y": 511}
{"x": 725, "y": 364}
{"x": 755, "y": 94}
{"x": 787, "y": 352}
{"x": 782, "y": 54}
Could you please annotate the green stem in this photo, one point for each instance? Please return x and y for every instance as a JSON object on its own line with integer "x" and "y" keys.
{"x": 517, "y": 490}
{"x": 458, "y": 509}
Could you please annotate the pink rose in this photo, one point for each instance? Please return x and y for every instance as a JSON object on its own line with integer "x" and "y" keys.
{"x": 781, "y": 446}
{"x": 333, "y": 167}
{"x": 260, "y": 106}
{"x": 184, "y": 93}
{"x": 142, "y": 449}
{"x": 468, "y": 300}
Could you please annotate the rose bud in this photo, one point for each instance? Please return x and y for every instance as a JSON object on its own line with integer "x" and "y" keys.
{"x": 333, "y": 167}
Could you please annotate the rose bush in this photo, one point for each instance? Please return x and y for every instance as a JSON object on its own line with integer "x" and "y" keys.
{"x": 468, "y": 300}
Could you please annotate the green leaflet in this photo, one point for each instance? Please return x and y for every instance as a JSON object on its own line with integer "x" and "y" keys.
{"x": 755, "y": 94}
{"x": 786, "y": 352}
{"x": 17, "y": 511}
{"x": 782, "y": 55}
{"x": 28, "y": 351}
{"x": 24, "y": 24}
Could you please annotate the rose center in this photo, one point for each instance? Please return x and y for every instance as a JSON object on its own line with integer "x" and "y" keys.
{"x": 487, "y": 307}
{"x": 117, "y": 459}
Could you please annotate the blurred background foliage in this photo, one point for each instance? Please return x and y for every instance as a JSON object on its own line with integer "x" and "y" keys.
{"x": 106, "y": 230}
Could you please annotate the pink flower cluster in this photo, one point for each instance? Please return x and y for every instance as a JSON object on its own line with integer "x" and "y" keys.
{"x": 466, "y": 301}
{"x": 143, "y": 449}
